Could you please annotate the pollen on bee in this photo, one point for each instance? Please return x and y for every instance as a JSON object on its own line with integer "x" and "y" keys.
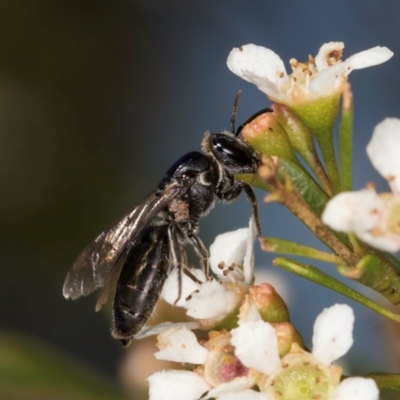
{"x": 180, "y": 209}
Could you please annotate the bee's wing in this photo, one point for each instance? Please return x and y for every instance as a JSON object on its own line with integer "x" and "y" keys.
{"x": 93, "y": 266}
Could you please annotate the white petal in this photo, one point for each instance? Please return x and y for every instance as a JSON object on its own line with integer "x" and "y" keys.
{"x": 384, "y": 150}
{"x": 160, "y": 328}
{"x": 256, "y": 346}
{"x": 211, "y": 301}
{"x": 353, "y": 211}
{"x": 357, "y": 389}
{"x": 248, "y": 312}
{"x": 328, "y": 80}
{"x": 235, "y": 385}
{"x": 235, "y": 248}
{"x": 245, "y": 395}
{"x": 260, "y": 62}
{"x": 170, "y": 291}
{"x": 333, "y": 333}
{"x": 265, "y": 85}
{"x": 321, "y": 59}
{"x": 228, "y": 248}
{"x": 176, "y": 385}
{"x": 248, "y": 261}
{"x": 180, "y": 345}
{"x": 368, "y": 58}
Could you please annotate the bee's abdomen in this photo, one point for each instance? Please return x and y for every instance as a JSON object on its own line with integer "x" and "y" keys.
{"x": 140, "y": 283}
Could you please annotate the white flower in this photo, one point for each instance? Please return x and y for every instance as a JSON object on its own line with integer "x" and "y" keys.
{"x": 384, "y": 150}
{"x": 320, "y": 77}
{"x": 234, "y": 362}
{"x": 232, "y": 261}
{"x": 312, "y": 375}
{"x": 234, "y": 252}
{"x": 372, "y": 217}
{"x": 180, "y": 344}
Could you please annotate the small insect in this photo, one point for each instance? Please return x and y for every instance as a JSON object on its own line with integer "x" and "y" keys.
{"x": 134, "y": 256}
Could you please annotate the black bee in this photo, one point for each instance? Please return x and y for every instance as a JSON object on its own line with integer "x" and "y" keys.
{"x": 136, "y": 255}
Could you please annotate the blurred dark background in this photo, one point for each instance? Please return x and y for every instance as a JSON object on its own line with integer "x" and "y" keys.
{"x": 99, "y": 97}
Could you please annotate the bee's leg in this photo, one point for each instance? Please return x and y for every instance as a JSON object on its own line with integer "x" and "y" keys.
{"x": 201, "y": 251}
{"x": 186, "y": 268}
{"x": 251, "y": 197}
{"x": 177, "y": 255}
{"x": 234, "y": 193}
{"x": 191, "y": 276}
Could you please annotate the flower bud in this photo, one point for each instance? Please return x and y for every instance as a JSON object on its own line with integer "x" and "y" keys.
{"x": 269, "y": 303}
{"x": 266, "y": 135}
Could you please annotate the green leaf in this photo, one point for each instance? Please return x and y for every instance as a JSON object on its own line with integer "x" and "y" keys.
{"x": 376, "y": 272}
{"x": 282, "y": 246}
{"x": 313, "y": 274}
{"x": 309, "y": 190}
{"x": 28, "y": 370}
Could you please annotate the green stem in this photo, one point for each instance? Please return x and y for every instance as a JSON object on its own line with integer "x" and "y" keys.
{"x": 313, "y": 274}
{"x": 325, "y": 141}
{"x": 386, "y": 381}
{"x": 356, "y": 246}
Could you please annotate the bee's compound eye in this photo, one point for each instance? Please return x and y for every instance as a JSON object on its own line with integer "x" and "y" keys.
{"x": 232, "y": 148}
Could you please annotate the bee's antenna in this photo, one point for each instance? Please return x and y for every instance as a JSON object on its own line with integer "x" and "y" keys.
{"x": 234, "y": 110}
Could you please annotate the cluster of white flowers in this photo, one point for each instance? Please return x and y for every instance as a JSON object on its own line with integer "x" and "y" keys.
{"x": 255, "y": 360}
{"x": 245, "y": 357}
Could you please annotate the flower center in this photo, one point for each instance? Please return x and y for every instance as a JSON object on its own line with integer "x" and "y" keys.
{"x": 302, "y": 378}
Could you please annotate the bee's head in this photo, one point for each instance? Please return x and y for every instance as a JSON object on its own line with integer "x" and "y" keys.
{"x": 231, "y": 152}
